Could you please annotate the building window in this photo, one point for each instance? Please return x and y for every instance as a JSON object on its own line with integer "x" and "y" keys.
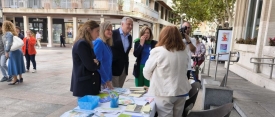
{"x": 156, "y": 7}
{"x": 166, "y": 15}
{"x": 147, "y": 2}
{"x": 253, "y": 18}
{"x": 162, "y": 13}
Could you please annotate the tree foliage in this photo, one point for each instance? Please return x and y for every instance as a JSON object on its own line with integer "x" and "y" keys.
{"x": 198, "y": 11}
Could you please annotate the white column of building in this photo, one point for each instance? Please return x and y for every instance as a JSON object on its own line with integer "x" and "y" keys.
{"x": 135, "y": 30}
{"x": 74, "y": 27}
{"x": 265, "y": 29}
{"x": 4, "y": 18}
{"x": 156, "y": 31}
{"x": 102, "y": 20}
{"x": 13, "y": 19}
{"x": 26, "y": 24}
{"x": 50, "y": 32}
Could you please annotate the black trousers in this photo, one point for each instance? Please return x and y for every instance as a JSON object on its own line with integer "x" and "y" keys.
{"x": 30, "y": 58}
{"x": 62, "y": 42}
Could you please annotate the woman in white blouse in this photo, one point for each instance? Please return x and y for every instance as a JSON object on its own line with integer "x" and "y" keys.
{"x": 166, "y": 69}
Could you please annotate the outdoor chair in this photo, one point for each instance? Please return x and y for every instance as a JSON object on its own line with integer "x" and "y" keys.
{"x": 193, "y": 93}
{"x": 222, "y": 111}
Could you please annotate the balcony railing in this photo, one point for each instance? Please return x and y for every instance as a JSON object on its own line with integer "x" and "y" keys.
{"x": 107, "y": 6}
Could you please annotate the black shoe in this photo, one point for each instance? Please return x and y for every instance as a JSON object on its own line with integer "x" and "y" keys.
{"x": 17, "y": 81}
{"x": 9, "y": 79}
{"x": 21, "y": 80}
{"x": 4, "y": 79}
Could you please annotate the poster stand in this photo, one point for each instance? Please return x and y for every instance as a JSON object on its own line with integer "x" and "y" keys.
{"x": 223, "y": 43}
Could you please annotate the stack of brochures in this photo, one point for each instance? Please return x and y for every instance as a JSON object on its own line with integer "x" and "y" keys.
{"x": 138, "y": 108}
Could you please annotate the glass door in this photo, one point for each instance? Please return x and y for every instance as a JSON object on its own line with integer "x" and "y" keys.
{"x": 57, "y": 30}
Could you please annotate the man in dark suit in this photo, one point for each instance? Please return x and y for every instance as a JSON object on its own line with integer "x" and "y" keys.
{"x": 122, "y": 43}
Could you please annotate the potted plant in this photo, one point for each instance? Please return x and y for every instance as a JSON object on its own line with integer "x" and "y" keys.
{"x": 120, "y": 4}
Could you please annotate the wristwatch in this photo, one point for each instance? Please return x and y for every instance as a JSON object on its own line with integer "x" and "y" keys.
{"x": 188, "y": 42}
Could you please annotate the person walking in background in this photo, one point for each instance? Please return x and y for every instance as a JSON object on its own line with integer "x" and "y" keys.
{"x": 16, "y": 63}
{"x": 29, "y": 50}
{"x": 38, "y": 39}
{"x": 122, "y": 43}
{"x": 3, "y": 59}
{"x": 85, "y": 77}
{"x": 18, "y": 30}
{"x": 104, "y": 54}
{"x": 165, "y": 68}
{"x": 143, "y": 45}
{"x": 62, "y": 40}
{"x": 198, "y": 57}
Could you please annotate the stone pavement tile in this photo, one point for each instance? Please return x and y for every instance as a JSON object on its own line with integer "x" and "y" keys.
{"x": 39, "y": 97}
{"x": 30, "y": 114}
{"x": 8, "y": 112}
{"x": 4, "y": 102}
{"x": 269, "y": 107}
{"x": 251, "y": 109}
{"x": 61, "y": 110}
{"x": 33, "y": 107}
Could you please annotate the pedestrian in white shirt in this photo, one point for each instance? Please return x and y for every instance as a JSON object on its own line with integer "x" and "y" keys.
{"x": 38, "y": 39}
{"x": 190, "y": 46}
{"x": 166, "y": 69}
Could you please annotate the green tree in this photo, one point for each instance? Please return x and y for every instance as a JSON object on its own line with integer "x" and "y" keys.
{"x": 198, "y": 11}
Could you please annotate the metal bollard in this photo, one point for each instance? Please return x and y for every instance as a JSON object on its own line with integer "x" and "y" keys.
{"x": 217, "y": 58}
{"x": 271, "y": 69}
{"x": 209, "y": 65}
{"x": 228, "y": 63}
{"x": 202, "y": 71}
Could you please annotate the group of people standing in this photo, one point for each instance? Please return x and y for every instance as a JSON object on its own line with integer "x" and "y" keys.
{"x": 100, "y": 60}
{"x": 16, "y": 65}
{"x": 100, "y": 57}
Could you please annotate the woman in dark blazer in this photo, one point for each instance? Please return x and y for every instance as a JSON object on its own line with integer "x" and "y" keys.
{"x": 85, "y": 77}
{"x": 143, "y": 46}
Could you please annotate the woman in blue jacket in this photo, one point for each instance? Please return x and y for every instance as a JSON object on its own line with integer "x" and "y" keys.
{"x": 143, "y": 46}
{"x": 103, "y": 53}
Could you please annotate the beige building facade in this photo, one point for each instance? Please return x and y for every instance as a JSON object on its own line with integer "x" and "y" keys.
{"x": 255, "y": 18}
{"x": 53, "y": 17}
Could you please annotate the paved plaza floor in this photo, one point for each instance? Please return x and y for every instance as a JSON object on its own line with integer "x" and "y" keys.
{"x": 46, "y": 92}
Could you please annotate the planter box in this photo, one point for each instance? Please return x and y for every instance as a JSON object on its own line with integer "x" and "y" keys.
{"x": 269, "y": 51}
{"x": 245, "y": 47}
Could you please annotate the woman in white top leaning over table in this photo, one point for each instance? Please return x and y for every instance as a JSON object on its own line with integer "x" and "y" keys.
{"x": 166, "y": 69}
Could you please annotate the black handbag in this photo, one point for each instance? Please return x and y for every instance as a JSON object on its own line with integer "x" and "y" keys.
{"x": 135, "y": 70}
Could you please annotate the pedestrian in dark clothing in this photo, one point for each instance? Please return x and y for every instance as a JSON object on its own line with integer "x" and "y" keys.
{"x": 20, "y": 35}
{"x": 62, "y": 40}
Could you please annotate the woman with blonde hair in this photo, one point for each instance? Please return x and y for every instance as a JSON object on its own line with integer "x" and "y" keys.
{"x": 166, "y": 69}
{"x": 85, "y": 77}
{"x": 29, "y": 50}
{"x": 103, "y": 53}
{"x": 143, "y": 45}
{"x": 16, "y": 62}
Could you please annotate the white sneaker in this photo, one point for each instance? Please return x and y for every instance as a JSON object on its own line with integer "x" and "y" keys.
{"x": 27, "y": 70}
{"x": 33, "y": 71}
